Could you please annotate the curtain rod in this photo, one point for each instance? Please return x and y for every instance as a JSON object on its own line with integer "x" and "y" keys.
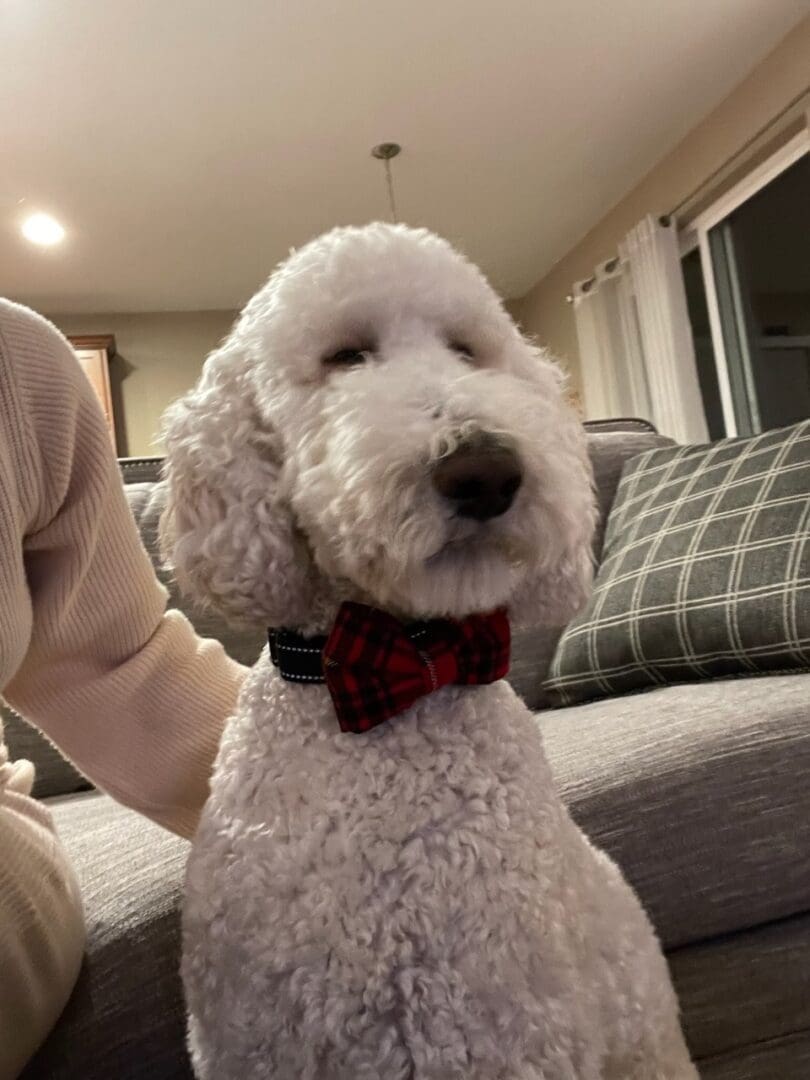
{"x": 667, "y": 219}
{"x": 664, "y": 220}
{"x": 738, "y": 153}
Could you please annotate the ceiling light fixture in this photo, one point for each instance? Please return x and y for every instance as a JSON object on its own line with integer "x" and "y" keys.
{"x": 42, "y": 229}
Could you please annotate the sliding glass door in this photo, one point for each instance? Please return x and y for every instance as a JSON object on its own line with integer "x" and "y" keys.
{"x": 748, "y": 287}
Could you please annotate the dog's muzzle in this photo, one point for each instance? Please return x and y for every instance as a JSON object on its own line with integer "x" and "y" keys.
{"x": 480, "y": 478}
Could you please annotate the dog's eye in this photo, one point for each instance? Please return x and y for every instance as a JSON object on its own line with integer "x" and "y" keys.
{"x": 462, "y": 349}
{"x": 347, "y": 357}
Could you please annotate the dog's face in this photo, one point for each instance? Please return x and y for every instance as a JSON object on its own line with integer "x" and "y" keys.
{"x": 379, "y": 416}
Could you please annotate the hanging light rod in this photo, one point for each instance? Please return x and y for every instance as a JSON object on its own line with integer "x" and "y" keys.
{"x": 385, "y": 151}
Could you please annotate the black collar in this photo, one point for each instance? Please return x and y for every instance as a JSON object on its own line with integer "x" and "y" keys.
{"x": 297, "y": 658}
{"x": 300, "y": 659}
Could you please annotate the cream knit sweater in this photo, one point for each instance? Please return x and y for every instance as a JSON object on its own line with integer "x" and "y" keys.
{"x": 88, "y": 654}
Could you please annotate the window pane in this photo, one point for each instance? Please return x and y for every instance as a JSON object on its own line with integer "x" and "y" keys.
{"x": 761, "y": 260}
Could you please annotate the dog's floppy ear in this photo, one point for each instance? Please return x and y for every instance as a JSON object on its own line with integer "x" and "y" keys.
{"x": 226, "y": 531}
{"x": 563, "y": 581}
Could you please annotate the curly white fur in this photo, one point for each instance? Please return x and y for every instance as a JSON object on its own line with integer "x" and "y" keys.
{"x": 414, "y": 903}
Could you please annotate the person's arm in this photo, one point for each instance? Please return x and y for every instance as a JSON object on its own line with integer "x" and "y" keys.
{"x": 126, "y": 690}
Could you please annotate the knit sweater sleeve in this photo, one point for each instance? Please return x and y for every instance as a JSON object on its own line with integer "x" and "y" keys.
{"x": 127, "y": 690}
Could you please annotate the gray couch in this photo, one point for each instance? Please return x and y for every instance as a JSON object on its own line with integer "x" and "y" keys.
{"x": 700, "y": 792}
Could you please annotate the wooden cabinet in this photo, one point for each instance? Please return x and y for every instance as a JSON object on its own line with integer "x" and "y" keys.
{"x": 94, "y": 353}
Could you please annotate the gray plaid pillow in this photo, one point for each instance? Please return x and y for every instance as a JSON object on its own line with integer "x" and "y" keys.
{"x": 705, "y": 571}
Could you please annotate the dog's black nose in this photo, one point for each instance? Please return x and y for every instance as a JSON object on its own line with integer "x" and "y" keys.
{"x": 480, "y": 477}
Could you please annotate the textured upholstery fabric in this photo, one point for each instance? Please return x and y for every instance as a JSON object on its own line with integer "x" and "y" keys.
{"x": 766, "y": 972}
{"x": 785, "y": 1058}
{"x": 532, "y": 650}
{"x": 705, "y": 570}
{"x": 709, "y": 817}
{"x": 54, "y": 774}
{"x": 125, "y": 1018}
{"x": 610, "y": 445}
{"x": 142, "y": 470}
{"x": 609, "y": 450}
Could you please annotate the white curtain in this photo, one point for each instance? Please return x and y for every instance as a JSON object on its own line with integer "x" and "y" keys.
{"x": 635, "y": 342}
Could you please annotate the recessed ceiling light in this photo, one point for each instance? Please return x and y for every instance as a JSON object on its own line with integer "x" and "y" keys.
{"x": 42, "y": 229}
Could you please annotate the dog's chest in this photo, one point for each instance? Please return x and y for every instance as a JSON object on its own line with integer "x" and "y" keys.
{"x": 456, "y": 789}
{"x": 331, "y": 872}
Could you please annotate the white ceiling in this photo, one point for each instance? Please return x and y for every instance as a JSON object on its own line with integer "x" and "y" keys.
{"x": 186, "y": 145}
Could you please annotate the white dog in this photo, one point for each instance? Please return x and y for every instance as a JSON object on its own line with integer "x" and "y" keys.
{"x": 414, "y": 902}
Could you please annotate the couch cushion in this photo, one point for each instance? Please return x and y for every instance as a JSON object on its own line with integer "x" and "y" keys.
{"x": 125, "y": 1018}
{"x": 610, "y": 445}
{"x": 700, "y": 793}
{"x": 706, "y": 570}
{"x": 785, "y": 1058}
{"x": 744, "y": 988}
{"x": 54, "y": 774}
{"x": 140, "y": 470}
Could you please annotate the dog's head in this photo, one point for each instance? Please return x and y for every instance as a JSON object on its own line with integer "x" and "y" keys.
{"x": 376, "y": 427}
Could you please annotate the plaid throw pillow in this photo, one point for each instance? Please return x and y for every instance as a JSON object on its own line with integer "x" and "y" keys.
{"x": 705, "y": 571}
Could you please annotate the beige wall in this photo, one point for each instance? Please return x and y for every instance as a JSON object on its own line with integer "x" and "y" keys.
{"x": 159, "y": 357}
{"x": 769, "y": 88}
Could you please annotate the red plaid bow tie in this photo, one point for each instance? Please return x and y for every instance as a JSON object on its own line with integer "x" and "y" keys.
{"x": 376, "y": 667}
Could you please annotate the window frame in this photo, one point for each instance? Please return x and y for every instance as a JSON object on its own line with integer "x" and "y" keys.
{"x": 695, "y": 233}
